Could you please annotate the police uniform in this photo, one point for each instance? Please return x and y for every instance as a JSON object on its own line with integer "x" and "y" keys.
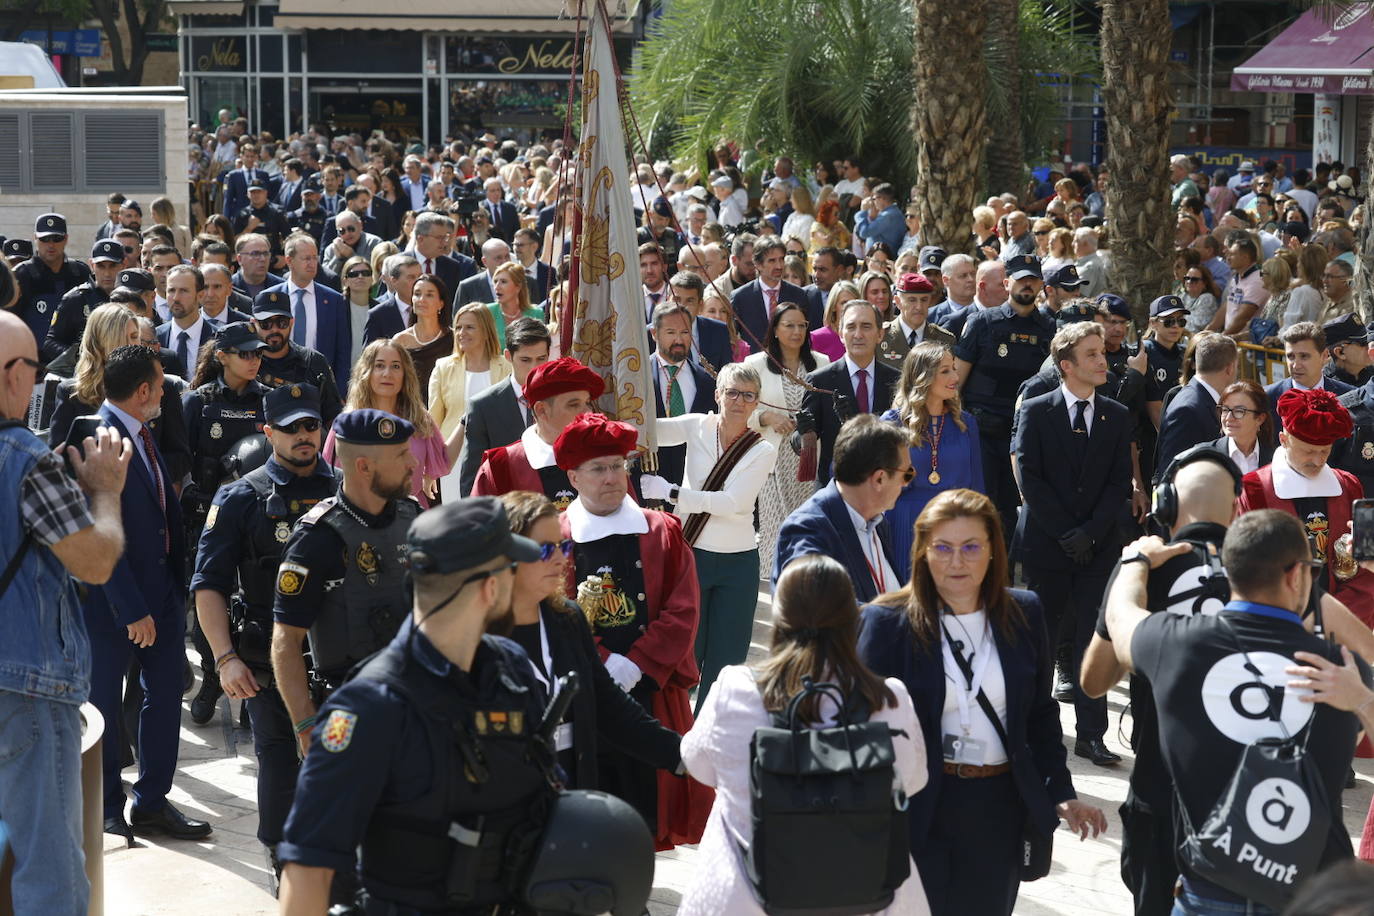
{"x": 1356, "y": 453}
{"x": 42, "y": 289}
{"x": 300, "y": 365}
{"x": 17, "y": 251}
{"x": 310, "y": 221}
{"x": 69, "y": 321}
{"x": 272, "y": 223}
{"x": 341, "y": 576}
{"x": 1004, "y": 349}
{"x": 430, "y": 771}
{"x": 241, "y": 545}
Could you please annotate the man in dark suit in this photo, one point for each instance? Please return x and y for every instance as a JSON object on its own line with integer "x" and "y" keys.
{"x": 253, "y": 252}
{"x": 187, "y": 330}
{"x": 499, "y": 415}
{"x": 860, "y": 384}
{"x": 828, "y": 269}
{"x": 538, "y": 275}
{"x": 413, "y": 184}
{"x": 910, "y": 327}
{"x": 288, "y": 196}
{"x": 680, "y": 384}
{"x": 391, "y": 315}
{"x": 237, "y": 182}
{"x": 1073, "y": 451}
{"x": 1304, "y": 350}
{"x": 477, "y": 288}
{"x": 710, "y": 338}
{"x": 505, "y": 219}
{"x": 844, "y": 519}
{"x": 430, "y": 244}
{"x": 1191, "y": 417}
{"x": 357, "y": 199}
{"x": 320, "y": 314}
{"x": 753, "y": 303}
{"x": 142, "y": 609}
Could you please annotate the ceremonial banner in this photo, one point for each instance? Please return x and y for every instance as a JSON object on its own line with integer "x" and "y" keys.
{"x": 609, "y": 329}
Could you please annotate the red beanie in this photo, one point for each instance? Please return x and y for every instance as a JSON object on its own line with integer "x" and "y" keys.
{"x": 590, "y": 436}
{"x": 559, "y": 376}
{"x": 1315, "y": 416}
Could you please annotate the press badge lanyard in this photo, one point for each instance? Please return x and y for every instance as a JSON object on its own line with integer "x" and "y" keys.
{"x": 964, "y": 686}
{"x": 563, "y": 734}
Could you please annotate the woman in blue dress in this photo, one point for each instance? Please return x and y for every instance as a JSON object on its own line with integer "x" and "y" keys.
{"x": 944, "y": 453}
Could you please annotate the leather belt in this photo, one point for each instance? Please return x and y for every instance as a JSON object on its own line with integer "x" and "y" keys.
{"x": 972, "y": 771}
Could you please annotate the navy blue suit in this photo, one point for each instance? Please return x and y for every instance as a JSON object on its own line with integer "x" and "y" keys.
{"x": 505, "y": 219}
{"x": 452, "y": 270}
{"x": 334, "y": 336}
{"x": 407, "y": 201}
{"x": 882, "y": 382}
{"x": 950, "y": 316}
{"x": 1276, "y": 391}
{"x": 236, "y": 191}
{"x": 288, "y": 195}
{"x": 542, "y": 282}
{"x": 751, "y": 311}
{"x": 823, "y": 524}
{"x": 148, "y": 580}
{"x": 1189, "y": 418}
{"x": 672, "y": 459}
{"x": 1039, "y": 772}
{"x": 383, "y": 320}
{"x": 711, "y": 339}
{"x": 815, "y": 305}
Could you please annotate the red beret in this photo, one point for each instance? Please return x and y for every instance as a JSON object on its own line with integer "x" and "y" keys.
{"x": 559, "y": 376}
{"x": 914, "y": 283}
{"x": 590, "y": 436}
{"x": 1315, "y": 416}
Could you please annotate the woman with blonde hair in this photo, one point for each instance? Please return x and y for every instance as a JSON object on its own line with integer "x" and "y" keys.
{"x": 716, "y": 306}
{"x": 380, "y": 252}
{"x": 1060, "y": 251}
{"x": 512, "y": 291}
{"x": 165, "y": 213}
{"x": 476, "y": 364}
{"x": 798, "y": 224}
{"x": 945, "y": 450}
{"x": 826, "y": 339}
{"x": 384, "y": 378}
{"x": 1040, "y": 231}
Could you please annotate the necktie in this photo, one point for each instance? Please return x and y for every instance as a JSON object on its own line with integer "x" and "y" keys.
{"x": 772, "y": 295}
{"x": 302, "y": 326}
{"x": 861, "y": 393}
{"x": 912, "y": 338}
{"x": 183, "y": 352}
{"x": 151, "y": 451}
{"x": 525, "y": 411}
{"x": 676, "y": 407}
{"x": 1080, "y": 424}
{"x": 654, "y": 299}
{"x": 429, "y": 266}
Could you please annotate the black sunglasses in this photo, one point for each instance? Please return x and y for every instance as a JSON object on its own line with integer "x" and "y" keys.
{"x": 357, "y": 274}
{"x": 546, "y": 550}
{"x": 309, "y": 424}
{"x": 279, "y": 323}
{"x": 1174, "y": 322}
{"x": 907, "y": 476}
{"x": 33, "y": 364}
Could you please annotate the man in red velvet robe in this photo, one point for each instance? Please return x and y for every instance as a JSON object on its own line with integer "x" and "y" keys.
{"x": 635, "y": 578}
{"x": 1299, "y": 481}
{"x": 557, "y": 391}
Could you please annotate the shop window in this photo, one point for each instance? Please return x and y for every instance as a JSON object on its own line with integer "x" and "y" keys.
{"x": 81, "y": 151}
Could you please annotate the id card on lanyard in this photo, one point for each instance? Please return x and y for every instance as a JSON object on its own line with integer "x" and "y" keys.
{"x": 963, "y": 748}
{"x": 563, "y": 735}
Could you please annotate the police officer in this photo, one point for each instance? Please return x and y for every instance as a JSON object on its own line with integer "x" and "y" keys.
{"x": 17, "y": 251}
{"x": 223, "y": 408}
{"x": 262, "y": 216}
{"x": 1356, "y": 454}
{"x": 285, "y": 362}
{"x": 107, "y": 256}
{"x": 310, "y": 217}
{"x": 1168, "y": 321}
{"x": 236, "y": 567}
{"x": 999, "y": 349}
{"x": 47, "y": 276}
{"x": 1346, "y": 344}
{"x": 340, "y": 578}
{"x": 426, "y": 759}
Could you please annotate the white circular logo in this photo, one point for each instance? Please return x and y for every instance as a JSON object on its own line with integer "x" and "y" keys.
{"x": 1189, "y": 580}
{"x": 1246, "y": 709}
{"x": 1278, "y": 811}
{"x": 1161, "y": 374}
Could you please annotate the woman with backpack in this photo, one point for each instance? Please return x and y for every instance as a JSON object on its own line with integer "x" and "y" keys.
{"x": 815, "y": 621}
{"x": 974, "y": 653}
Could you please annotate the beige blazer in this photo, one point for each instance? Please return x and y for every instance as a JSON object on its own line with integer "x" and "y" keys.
{"x": 448, "y": 389}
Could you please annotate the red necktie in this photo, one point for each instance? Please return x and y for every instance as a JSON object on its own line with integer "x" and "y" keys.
{"x": 151, "y": 451}
{"x": 861, "y": 395}
{"x": 772, "y": 300}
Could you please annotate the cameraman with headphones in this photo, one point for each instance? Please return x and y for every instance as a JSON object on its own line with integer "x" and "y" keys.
{"x": 1194, "y": 504}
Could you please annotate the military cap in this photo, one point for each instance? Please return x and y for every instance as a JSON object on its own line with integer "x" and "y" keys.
{"x": 369, "y": 426}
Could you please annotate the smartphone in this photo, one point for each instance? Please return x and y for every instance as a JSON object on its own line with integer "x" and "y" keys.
{"x": 1363, "y": 529}
{"x": 81, "y": 428}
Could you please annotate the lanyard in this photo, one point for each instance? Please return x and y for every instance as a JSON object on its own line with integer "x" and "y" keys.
{"x": 964, "y": 690}
{"x": 876, "y": 572}
{"x": 545, "y": 679}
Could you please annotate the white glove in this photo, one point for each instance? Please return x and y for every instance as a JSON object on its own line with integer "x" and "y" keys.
{"x": 654, "y": 487}
{"x": 623, "y": 671}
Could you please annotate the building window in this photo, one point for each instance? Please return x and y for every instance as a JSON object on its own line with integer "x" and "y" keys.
{"x": 72, "y": 151}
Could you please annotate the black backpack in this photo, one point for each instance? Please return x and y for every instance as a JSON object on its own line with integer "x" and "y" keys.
{"x": 830, "y": 835}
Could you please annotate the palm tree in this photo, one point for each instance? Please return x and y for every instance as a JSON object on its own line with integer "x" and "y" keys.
{"x": 1006, "y": 157}
{"x": 1139, "y": 107}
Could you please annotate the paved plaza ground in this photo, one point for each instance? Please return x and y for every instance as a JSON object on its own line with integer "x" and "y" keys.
{"x": 228, "y": 873}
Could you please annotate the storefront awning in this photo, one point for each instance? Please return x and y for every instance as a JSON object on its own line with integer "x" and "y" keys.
{"x": 205, "y": 7}
{"x": 1315, "y": 54}
{"x": 539, "y": 16}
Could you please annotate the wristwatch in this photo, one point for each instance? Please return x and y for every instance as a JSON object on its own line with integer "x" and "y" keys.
{"x": 672, "y": 494}
{"x": 1134, "y": 557}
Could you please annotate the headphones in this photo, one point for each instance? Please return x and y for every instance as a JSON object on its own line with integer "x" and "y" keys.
{"x": 1165, "y": 507}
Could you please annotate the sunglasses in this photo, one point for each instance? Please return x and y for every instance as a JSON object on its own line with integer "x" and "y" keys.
{"x": 245, "y": 354}
{"x": 279, "y": 323}
{"x": 1174, "y": 322}
{"x": 1042, "y": 232}
{"x": 907, "y": 476}
{"x": 1192, "y": 279}
{"x": 358, "y": 274}
{"x": 308, "y": 424}
{"x": 546, "y": 551}
{"x": 33, "y": 364}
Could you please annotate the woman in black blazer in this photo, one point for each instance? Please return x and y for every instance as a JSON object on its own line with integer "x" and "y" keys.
{"x": 554, "y": 633}
{"x": 957, "y": 622}
{"x": 1250, "y": 437}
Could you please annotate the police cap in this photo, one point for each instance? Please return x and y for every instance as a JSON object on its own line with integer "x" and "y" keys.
{"x": 931, "y": 257}
{"x": 1065, "y": 277}
{"x": 269, "y": 303}
{"x": 18, "y": 248}
{"x": 370, "y": 426}
{"x": 661, "y": 207}
{"x": 107, "y": 250}
{"x": 137, "y": 279}
{"x": 1082, "y": 310}
{"x": 289, "y": 403}
{"x": 1166, "y": 305}
{"x": 50, "y": 226}
{"x": 1346, "y": 329}
{"x": 1022, "y": 266}
{"x": 464, "y": 534}
{"x": 237, "y": 336}
{"x": 256, "y": 184}
{"x": 1113, "y": 304}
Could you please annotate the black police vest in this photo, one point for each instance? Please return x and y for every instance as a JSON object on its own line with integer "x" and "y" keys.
{"x": 220, "y": 425}
{"x": 1356, "y": 454}
{"x": 467, "y": 841}
{"x": 279, "y": 507}
{"x": 290, "y": 369}
{"x": 1016, "y": 348}
{"x": 364, "y": 612}
{"x": 615, "y": 604}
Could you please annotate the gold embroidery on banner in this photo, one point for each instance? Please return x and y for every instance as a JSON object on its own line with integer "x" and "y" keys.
{"x": 595, "y": 342}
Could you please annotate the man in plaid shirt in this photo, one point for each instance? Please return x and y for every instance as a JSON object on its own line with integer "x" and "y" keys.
{"x": 57, "y": 531}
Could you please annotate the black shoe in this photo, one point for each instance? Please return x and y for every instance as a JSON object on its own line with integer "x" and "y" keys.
{"x": 117, "y": 826}
{"x": 169, "y": 821}
{"x": 1350, "y": 778}
{"x": 1063, "y": 687}
{"x": 203, "y": 706}
{"x": 1095, "y": 749}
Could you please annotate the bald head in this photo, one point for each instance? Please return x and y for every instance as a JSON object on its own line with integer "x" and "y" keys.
{"x": 16, "y": 382}
{"x": 1206, "y": 493}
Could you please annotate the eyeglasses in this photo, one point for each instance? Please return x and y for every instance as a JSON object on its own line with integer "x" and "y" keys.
{"x": 908, "y": 475}
{"x": 1238, "y": 413}
{"x": 279, "y": 323}
{"x": 33, "y": 364}
{"x": 357, "y": 274}
{"x": 734, "y": 394}
{"x": 348, "y": 228}
{"x": 546, "y": 551}
{"x": 970, "y": 552}
{"x": 308, "y": 424}
{"x": 1336, "y": 276}
{"x": 1173, "y": 322}
{"x": 1309, "y": 563}
{"x": 252, "y": 254}
{"x": 1191, "y": 279}
{"x": 616, "y": 468}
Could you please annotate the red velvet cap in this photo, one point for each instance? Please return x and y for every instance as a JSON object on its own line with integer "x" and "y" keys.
{"x": 559, "y": 376}
{"x": 1314, "y": 416}
{"x": 914, "y": 283}
{"x": 590, "y": 436}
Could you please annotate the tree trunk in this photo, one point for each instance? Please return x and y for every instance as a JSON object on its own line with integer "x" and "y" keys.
{"x": 1139, "y": 107}
{"x": 949, "y": 118}
{"x": 1006, "y": 157}
{"x": 1364, "y": 241}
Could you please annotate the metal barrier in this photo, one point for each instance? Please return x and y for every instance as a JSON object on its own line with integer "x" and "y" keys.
{"x": 1263, "y": 365}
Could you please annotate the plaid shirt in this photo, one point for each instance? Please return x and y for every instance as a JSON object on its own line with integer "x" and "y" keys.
{"x": 52, "y": 504}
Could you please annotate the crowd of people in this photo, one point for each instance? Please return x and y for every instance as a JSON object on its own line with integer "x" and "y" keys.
{"x": 329, "y": 423}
